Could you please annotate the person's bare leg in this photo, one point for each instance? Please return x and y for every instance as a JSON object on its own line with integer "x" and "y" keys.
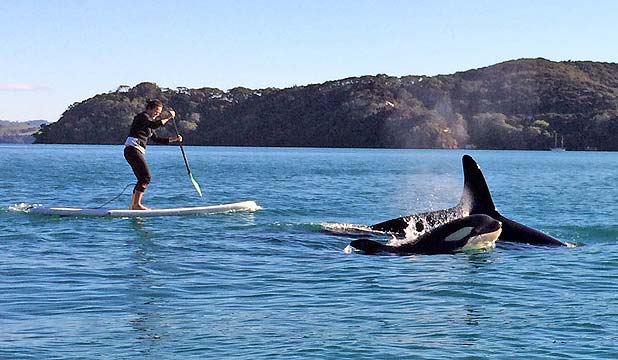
{"x": 136, "y": 201}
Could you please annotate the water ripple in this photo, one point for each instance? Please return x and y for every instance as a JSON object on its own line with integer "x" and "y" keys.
{"x": 275, "y": 285}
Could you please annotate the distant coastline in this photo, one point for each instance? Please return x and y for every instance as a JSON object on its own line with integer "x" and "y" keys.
{"x": 517, "y": 104}
{"x": 19, "y": 132}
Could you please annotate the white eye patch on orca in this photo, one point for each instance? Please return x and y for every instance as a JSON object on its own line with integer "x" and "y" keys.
{"x": 459, "y": 234}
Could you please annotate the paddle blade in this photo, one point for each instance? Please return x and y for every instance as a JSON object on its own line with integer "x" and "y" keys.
{"x": 196, "y": 185}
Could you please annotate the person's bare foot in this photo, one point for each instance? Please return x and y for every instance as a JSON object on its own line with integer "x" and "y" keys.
{"x": 139, "y": 207}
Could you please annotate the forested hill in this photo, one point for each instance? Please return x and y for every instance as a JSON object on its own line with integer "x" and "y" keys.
{"x": 517, "y": 104}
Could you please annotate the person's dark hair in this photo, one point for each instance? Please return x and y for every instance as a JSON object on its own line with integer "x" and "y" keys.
{"x": 153, "y": 104}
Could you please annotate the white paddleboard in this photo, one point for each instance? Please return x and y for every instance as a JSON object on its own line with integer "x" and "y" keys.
{"x": 67, "y": 211}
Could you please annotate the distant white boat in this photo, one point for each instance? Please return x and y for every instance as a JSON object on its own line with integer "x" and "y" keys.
{"x": 556, "y": 147}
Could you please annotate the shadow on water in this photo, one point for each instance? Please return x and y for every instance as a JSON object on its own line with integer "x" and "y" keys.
{"x": 145, "y": 301}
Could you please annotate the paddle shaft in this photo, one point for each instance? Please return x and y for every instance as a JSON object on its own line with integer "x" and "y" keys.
{"x": 182, "y": 149}
{"x": 184, "y": 156}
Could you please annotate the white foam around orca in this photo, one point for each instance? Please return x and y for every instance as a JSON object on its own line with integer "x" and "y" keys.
{"x": 468, "y": 233}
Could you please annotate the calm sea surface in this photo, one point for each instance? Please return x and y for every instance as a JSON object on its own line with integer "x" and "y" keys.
{"x": 274, "y": 284}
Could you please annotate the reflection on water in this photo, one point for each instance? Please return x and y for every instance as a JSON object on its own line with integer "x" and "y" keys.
{"x": 480, "y": 257}
{"x": 145, "y": 288}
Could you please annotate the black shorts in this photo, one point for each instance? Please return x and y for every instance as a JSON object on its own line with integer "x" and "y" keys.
{"x": 138, "y": 163}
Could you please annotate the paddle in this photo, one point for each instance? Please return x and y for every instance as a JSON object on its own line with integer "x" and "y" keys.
{"x": 184, "y": 156}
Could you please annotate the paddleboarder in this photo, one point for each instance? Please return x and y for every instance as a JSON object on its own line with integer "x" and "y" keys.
{"x": 142, "y": 129}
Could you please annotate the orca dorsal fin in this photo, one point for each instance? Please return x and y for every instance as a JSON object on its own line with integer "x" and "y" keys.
{"x": 475, "y": 198}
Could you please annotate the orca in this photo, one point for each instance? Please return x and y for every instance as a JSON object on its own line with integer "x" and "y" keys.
{"x": 468, "y": 233}
{"x": 475, "y": 199}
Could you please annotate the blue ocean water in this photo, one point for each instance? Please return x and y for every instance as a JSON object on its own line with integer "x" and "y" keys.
{"x": 274, "y": 284}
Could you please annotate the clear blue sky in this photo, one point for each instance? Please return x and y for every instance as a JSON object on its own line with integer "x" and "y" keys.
{"x": 57, "y": 52}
